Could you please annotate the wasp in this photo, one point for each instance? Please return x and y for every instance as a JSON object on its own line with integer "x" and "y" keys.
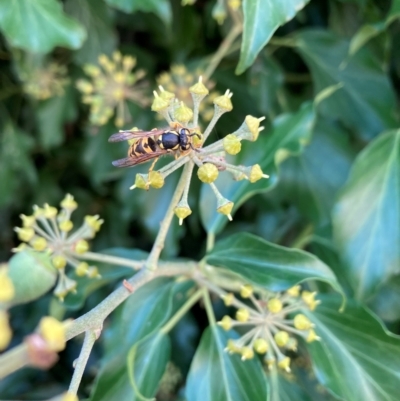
{"x": 148, "y": 145}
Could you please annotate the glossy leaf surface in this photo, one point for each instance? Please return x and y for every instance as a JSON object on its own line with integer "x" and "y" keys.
{"x": 39, "y": 25}
{"x": 265, "y": 264}
{"x": 216, "y": 375}
{"x": 367, "y": 216}
{"x": 357, "y": 359}
{"x": 261, "y": 19}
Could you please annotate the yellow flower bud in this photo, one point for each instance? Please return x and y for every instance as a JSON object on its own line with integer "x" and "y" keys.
{"x": 183, "y": 114}
{"x": 207, "y": 173}
{"x": 68, "y": 203}
{"x": 294, "y": 291}
{"x": 232, "y": 144}
{"x": 253, "y": 125}
{"x": 66, "y": 225}
{"x": 219, "y": 12}
{"x": 5, "y": 330}
{"x": 91, "y": 70}
{"x": 182, "y": 211}
{"x": 84, "y": 86}
{"x": 128, "y": 62}
{"x": 159, "y": 104}
{"x": 274, "y": 305}
{"x": 260, "y": 345}
{"x": 242, "y": 315}
{"x": 226, "y": 323}
{"x": 141, "y": 182}
{"x": 168, "y": 96}
{"x": 39, "y": 244}
{"x": 225, "y": 207}
{"x": 81, "y": 269}
{"x": 247, "y": 353}
{"x": 281, "y": 338}
{"x": 302, "y": 322}
{"x": 199, "y": 88}
{"x": 27, "y": 221}
{"x": 50, "y": 211}
{"x": 292, "y": 344}
{"x": 232, "y": 348}
{"x": 93, "y": 272}
{"x": 53, "y": 332}
{"x": 256, "y": 174}
{"x": 59, "y": 262}
{"x": 246, "y": 291}
{"x": 7, "y": 289}
{"x": 234, "y": 4}
{"x": 224, "y": 102}
{"x": 94, "y": 222}
{"x": 25, "y": 234}
{"x": 228, "y": 298}
{"x": 81, "y": 246}
{"x": 309, "y": 299}
{"x": 156, "y": 180}
{"x": 68, "y": 396}
{"x": 285, "y": 364}
{"x": 312, "y": 336}
{"x": 37, "y": 211}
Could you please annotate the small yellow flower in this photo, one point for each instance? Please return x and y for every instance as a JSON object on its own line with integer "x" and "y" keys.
{"x": 247, "y": 353}
{"x": 27, "y": 221}
{"x": 53, "y": 332}
{"x": 25, "y": 234}
{"x": 284, "y": 364}
{"x": 232, "y": 144}
{"x": 7, "y": 289}
{"x": 5, "y": 330}
{"x": 312, "y": 336}
{"x": 207, "y": 173}
{"x": 275, "y": 305}
{"x": 82, "y": 269}
{"x": 224, "y": 102}
{"x": 156, "y": 180}
{"x": 59, "y": 262}
{"x": 228, "y": 299}
{"x": 281, "y": 338}
{"x": 38, "y": 244}
{"x": 81, "y": 246}
{"x": 309, "y": 298}
{"x": 246, "y": 291}
{"x": 68, "y": 396}
{"x": 256, "y": 174}
{"x": 242, "y": 315}
{"x": 260, "y": 346}
{"x": 50, "y": 211}
{"x": 302, "y": 322}
{"x": 294, "y": 291}
{"x": 66, "y": 225}
{"x": 183, "y": 114}
{"x": 225, "y": 207}
{"x": 226, "y": 323}
{"x": 68, "y": 203}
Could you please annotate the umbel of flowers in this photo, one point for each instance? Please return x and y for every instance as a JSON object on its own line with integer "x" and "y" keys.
{"x": 111, "y": 84}
{"x": 209, "y": 159}
{"x": 52, "y": 231}
{"x": 271, "y": 323}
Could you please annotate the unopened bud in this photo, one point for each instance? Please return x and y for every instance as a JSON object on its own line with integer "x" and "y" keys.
{"x": 232, "y": 144}
{"x": 281, "y": 338}
{"x": 302, "y": 322}
{"x": 242, "y": 315}
{"x": 226, "y": 323}
{"x": 228, "y": 298}
{"x": 38, "y": 244}
{"x": 59, "y": 262}
{"x": 81, "y": 246}
{"x": 66, "y": 225}
{"x": 183, "y": 114}
{"x": 207, "y": 173}
{"x": 274, "y": 305}
{"x": 247, "y": 353}
{"x": 246, "y": 291}
{"x": 260, "y": 345}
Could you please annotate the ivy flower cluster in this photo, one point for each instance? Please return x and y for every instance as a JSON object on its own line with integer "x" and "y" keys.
{"x": 179, "y": 79}
{"x": 111, "y": 84}
{"x": 209, "y": 159}
{"x": 273, "y": 321}
{"x": 51, "y": 230}
{"x": 46, "y": 82}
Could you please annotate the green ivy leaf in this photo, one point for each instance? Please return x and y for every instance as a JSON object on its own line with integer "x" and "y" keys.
{"x": 39, "y": 25}
{"x": 289, "y": 135}
{"x": 357, "y": 358}
{"x": 95, "y": 16}
{"x": 147, "y": 361}
{"x": 312, "y": 179}
{"x": 32, "y": 274}
{"x": 261, "y": 19}
{"x": 367, "y": 216}
{"x": 109, "y": 273}
{"x": 366, "y": 101}
{"x": 265, "y": 264}
{"x": 145, "y": 311}
{"x": 162, "y": 8}
{"x": 216, "y": 375}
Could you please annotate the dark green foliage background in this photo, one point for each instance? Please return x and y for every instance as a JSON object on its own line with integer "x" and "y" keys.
{"x": 334, "y": 190}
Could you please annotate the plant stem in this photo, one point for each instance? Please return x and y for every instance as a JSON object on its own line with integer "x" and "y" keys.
{"x": 115, "y": 260}
{"x": 13, "y": 360}
{"x": 210, "y": 241}
{"x": 93, "y": 320}
{"x": 182, "y": 311}
{"x": 209, "y": 308}
{"x": 158, "y": 245}
{"x": 222, "y": 50}
{"x": 90, "y": 338}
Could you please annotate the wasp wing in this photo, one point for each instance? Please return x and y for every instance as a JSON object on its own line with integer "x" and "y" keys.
{"x": 126, "y": 135}
{"x": 133, "y": 161}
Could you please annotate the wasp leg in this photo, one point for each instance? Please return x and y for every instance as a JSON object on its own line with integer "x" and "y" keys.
{"x": 150, "y": 170}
